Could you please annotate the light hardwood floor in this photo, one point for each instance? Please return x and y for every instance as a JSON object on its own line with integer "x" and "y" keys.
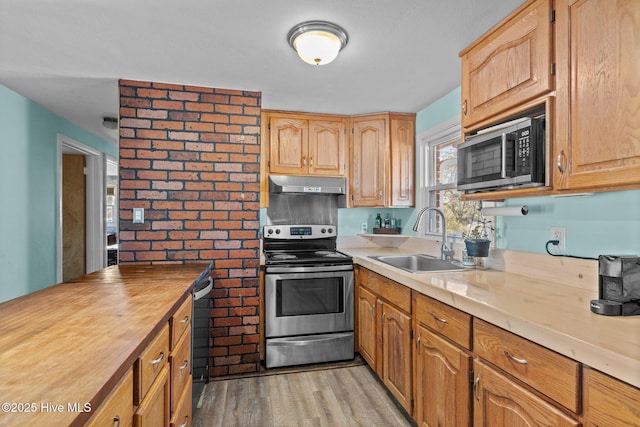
{"x": 345, "y": 396}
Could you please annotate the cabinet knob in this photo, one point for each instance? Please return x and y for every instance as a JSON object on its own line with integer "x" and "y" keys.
{"x": 464, "y": 107}
{"x": 380, "y": 194}
{"x": 116, "y": 421}
{"x": 311, "y": 161}
{"x": 304, "y": 161}
{"x": 159, "y": 359}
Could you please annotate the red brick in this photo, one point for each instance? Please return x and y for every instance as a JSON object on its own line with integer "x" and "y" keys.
{"x": 183, "y": 235}
{"x": 242, "y": 292}
{"x": 199, "y": 127}
{"x": 150, "y": 194}
{"x": 214, "y": 234}
{"x": 201, "y": 89}
{"x": 243, "y": 368}
{"x": 134, "y": 83}
{"x": 243, "y": 100}
{"x": 184, "y": 176}
{"x": 227, "y": 341}
{"x": 251, "y": 130}
{"x": 163, "y": 204}
{"x": 135, "y": 246}
{"x": 214, "y": 157}
{"x": 198, "y": 225}
{"x": 221, "y": 128}
{"x": 229, "y": 148}
{"x": 170, "y": 86}
{"x": 184, "y": 116}
{"x": 183, "y": 255}
{"x": 214, "y": 137}
{"x": 135, "y": 102}
{"x": 199, "y": 146}
{"x": 183, "y": 155}
{"x": 151, "y": 134}
{"x": 242, "y": 349}
{"x": 182, "y": 215}
{"x": 161, "y": 246}
{"x": 138, "y": 184}
{"x": 199, "y": 186}
{"x": 218, "y": 351}
{"x": 228, "y": 263}
{"x": 215, "y": 98}
{"x": 152, "y": 93}
{"x": 228, "y": 167}
{"x": 233, "y": 360}
{"x": 228, "y": 186}
{"x": 184, "y": 195}
{"x": 151, "y": 114}
{"x": 148, "y": 154}
{"x": 134, "y": 143}
{"x": 199, "y": 106}
{"x": 219, "y": 312}
{"x": 198, "y": 244}
{"x": 150, "y": 256}
{"x": 227, "y": 302}
{"x": 228, "y": 225}
{"x": 134, "y": 164}
{"x": 184, "y": 136}
{"x": 168, "y": 145}
{"x": 127, "y": 112}
{"x": 227, "y": 321}
{"x": 167, "y": 185}
{"x": 213, "y": 254}
{"x": 242, "y": 330}
{"x": 227, "y": 244}
{"x": 167, "y": 105}
{"x": 228, "y": 109}
{"x": 243, "y": 311}
{"x": 168, "y": 125}
{"x": 168, "y": 165}
{"x": 167, "y": 225}
{"x": 183, "y": 96}
{"x": 215, "y": 118}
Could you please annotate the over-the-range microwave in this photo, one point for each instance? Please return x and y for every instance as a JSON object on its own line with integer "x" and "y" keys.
{"x": 506, "y": 156}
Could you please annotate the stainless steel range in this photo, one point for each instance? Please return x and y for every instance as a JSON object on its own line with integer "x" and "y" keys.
{"x": 309, "y": 296}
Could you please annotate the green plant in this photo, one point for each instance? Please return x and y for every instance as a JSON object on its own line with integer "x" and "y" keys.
{"x": 479, "y": 229}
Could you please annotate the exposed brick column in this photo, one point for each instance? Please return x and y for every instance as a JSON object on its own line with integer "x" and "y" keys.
{"x": 190, "y": 157}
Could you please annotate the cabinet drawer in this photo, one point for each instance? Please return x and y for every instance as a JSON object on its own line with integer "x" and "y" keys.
{"x": 444, "y": 319}
{"x": 180, "y": 366}
{"x": 395, "y": 293}
{"x": 550, "y": 373}
{"x": 180, "y": 320}
{"x": 182, "y": 416}
{"x": 118, "y": 406}
{"x": 150, "y": 363}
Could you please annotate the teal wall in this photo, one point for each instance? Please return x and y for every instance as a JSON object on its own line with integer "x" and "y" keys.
{"x": 28, "y": 176}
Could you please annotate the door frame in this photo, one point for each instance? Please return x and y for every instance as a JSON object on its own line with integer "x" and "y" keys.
{"x": 96, "y": 251}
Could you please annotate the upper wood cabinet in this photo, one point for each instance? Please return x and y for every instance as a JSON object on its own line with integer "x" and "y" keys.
{"x": 382, "y": 160}
{"x": 597, "y": 144}
{"x": 509, "y": 65}
{"x": 302, "y": 144}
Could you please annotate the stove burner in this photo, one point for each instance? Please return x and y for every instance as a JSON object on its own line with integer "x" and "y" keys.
{"x": 323, "y": 253}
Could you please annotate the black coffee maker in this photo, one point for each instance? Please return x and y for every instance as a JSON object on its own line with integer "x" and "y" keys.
{"x": 619, "y": 286}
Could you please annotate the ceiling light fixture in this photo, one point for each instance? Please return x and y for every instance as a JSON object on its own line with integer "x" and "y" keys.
{"x": 317, "y": 42}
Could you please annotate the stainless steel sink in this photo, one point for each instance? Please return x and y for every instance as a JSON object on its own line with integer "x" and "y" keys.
{"x": 417, "y": 263}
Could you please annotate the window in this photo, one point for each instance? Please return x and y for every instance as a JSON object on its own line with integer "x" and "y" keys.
{"x": 438, "y": 176}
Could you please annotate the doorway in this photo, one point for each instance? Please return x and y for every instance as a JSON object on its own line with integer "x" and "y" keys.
{"x": 81, "y": 229}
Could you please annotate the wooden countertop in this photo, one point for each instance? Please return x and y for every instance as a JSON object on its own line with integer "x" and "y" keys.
{"x": 71, "y": 342}
{"x": 551, "y": 314}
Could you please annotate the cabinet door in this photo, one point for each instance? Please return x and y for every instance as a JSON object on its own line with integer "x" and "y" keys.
{"x": 154, "y": 408}
{"x": 598, "y": 121}
{"x": 508, "y": 66}
{"x": 288, "y": 140}
{"x": 498, "y": 401}
{"x": 396, "y": 354}
{"x": 443, "y": 390}
{"x": 368, "y": 162}
{"x": 367, "y": 326}
{"x": 609, "y": 401}
{"x": 402, "y": 162}
{"x": 326, "y": 148}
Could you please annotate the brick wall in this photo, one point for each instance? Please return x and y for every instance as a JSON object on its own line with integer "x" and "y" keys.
{"x": 190, "y": 157}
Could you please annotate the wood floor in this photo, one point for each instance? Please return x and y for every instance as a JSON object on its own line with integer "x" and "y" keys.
{"x": 343, "y": 396}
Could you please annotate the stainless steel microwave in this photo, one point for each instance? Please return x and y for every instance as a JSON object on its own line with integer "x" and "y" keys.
{"x": 511, "y": 155}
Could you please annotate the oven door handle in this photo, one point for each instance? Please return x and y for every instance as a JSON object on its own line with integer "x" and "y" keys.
{"x": 307, "y": 269}
{"x": 307, "y": 341}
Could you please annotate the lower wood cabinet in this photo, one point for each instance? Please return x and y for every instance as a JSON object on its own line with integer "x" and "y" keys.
{"x": 442, "y": 364}
{"x": 117, "y": 409}
{"x": 154, "y": 408}
{"x": 396, "y": 354}
{"x": 499, "y": 401}
{"x": 384, "y": 332}
{"x": 609, "y": 402}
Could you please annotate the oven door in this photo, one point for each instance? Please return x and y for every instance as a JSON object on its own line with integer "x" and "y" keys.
{"x": 303, "y": 302}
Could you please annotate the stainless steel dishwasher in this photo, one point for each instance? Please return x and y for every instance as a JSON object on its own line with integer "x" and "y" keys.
{"x": 200, "y": 338}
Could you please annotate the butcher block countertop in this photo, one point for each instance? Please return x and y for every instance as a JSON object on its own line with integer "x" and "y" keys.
{"x": 72, "y": 342}
{"x": 547, "y": 312}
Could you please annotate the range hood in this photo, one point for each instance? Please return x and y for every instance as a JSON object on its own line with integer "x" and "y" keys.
{"x": 281, "y": 184}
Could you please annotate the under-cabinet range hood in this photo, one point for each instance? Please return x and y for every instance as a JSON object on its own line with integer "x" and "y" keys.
{"x": 279, "y": 184}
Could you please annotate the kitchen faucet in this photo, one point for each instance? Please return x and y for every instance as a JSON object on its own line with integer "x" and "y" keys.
{"x": 445, "y": 253}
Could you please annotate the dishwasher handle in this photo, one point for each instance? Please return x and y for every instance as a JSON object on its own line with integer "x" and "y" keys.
{"x": 203, "y": 292}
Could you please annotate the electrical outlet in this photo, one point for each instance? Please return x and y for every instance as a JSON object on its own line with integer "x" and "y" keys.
{"x": 138, "y": 215}
{"x": 558, "y": 233}
{"x": 364, "y": 227}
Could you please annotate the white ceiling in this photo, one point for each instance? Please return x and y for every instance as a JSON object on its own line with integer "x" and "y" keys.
{"x": 68, "y": 55}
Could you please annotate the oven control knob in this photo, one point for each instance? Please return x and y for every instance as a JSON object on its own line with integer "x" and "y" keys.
{"x": 277, "y": 231}
{"x": 330, "y": 230}
{"x": 269, "y": 230}
{"x": 323, "y": 230}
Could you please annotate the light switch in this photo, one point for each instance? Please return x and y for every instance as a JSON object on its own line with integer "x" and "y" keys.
{"x": 138, "y": 215}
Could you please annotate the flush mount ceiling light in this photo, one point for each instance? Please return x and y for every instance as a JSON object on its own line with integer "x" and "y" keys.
{"x": 317, "y": 42}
